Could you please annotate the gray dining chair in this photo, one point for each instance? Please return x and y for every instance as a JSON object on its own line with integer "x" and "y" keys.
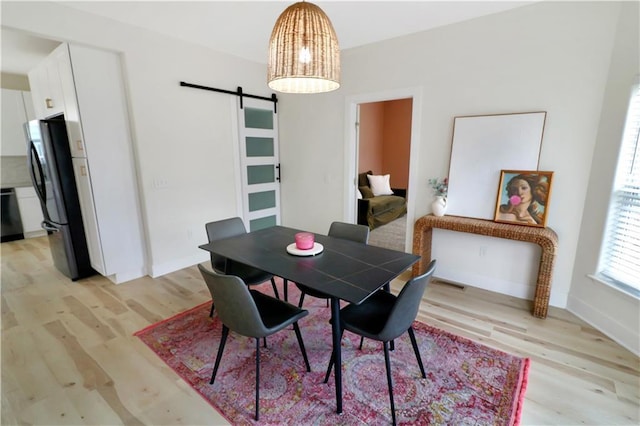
{"x": 346, "y": 231}
{"x": 227, "y": 228}
{"x": 250, "y": 313}
{"x": 385, "y": 317}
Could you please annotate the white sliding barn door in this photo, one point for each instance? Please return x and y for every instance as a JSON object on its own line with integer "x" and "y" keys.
{"x": 259, "y": 163}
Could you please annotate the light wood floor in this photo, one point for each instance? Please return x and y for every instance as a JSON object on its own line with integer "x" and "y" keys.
{"x": 69, "y": 357}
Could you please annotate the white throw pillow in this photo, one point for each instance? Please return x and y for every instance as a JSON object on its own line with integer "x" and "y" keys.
{"x": 359, "y": 194}
{"x": 380, "y": 184}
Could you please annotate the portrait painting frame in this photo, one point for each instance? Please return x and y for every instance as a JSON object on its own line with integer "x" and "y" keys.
{"x": 523, "y": 197}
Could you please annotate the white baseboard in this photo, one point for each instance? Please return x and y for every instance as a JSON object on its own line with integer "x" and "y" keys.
{"x": 35, "y": 234}
{"x": 158, "y": 270}
{"x": 606, "y": 324}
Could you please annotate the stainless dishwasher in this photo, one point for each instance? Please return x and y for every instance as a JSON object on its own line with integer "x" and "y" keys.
{"x": 11, "y": 221}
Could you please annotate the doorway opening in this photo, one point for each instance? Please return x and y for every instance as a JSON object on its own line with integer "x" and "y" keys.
{"x": 398, "y": 159}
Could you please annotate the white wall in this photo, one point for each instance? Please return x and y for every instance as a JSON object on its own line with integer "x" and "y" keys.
{"x": 182, "y": 136}
{"x": 612, "y": 311}
{"x": 551, "y": 56}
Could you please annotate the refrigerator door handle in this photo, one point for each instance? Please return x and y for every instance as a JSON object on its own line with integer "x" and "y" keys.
{"x": 47, "y": 226}
{"x": 40, "y": 187}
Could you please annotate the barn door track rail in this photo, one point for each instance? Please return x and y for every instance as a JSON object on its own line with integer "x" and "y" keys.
{"x": 238, "y": 92}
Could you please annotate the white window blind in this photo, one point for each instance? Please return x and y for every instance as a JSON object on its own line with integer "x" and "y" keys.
{"x": 620, "y": 260}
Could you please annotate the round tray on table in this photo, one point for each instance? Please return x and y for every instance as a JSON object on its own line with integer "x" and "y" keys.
{"x": 316, "y": 249}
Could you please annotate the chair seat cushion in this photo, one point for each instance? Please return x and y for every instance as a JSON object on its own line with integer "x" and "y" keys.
{"x": 276, "y": 314}
{"x": 249, "y": 274}
{"x": 368, "y": 318}
{"x": 313, "y": 292}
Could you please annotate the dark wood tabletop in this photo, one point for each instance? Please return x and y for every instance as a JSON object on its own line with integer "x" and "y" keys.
{"x": 345, "y": 269}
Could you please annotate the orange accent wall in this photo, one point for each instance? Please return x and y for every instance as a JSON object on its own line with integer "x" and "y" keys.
{"x": 385, "y": 139}
{"x": 371, "y": 137}
{"x": 397, "y": 141}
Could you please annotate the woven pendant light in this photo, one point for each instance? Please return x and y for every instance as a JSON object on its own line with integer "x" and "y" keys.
{"x": 304, "y": 56}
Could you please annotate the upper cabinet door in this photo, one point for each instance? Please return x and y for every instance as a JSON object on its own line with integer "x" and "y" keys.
{"x": 46, "y": 85}
{"x": 39, "y": 83}
{"x": 71, "y": 107}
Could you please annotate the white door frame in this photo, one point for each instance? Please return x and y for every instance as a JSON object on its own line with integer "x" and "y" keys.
{"x": 351, "y": 150}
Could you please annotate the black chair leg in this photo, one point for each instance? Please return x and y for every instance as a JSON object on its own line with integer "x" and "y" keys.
{"x": 265, "y": 341}
{"x": 361, "y": 342}
{"x": 332, "y": 361}
{"x": 301, "y": 299}
{"x": 387, "y": 363}
{"x": 212, "y": 308}
{"x": 275, "y": 289}
{"x": 285, "y": 288}
{"x": 223, "y": 340}
{"x": 257, "y": 378}
{"x": 417, "y": 351}
{"x": 301, "y": 343}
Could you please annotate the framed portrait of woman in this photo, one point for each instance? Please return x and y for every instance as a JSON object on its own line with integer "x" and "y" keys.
{"x": 523, "y": 197}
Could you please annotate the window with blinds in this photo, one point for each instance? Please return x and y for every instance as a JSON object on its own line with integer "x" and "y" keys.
{"x": 620, "y": 259}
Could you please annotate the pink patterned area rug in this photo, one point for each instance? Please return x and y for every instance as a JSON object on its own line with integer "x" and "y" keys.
{"x": 467, "y": 383}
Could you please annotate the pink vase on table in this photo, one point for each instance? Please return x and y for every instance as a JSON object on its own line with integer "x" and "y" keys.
{"x": 304, "y": 240}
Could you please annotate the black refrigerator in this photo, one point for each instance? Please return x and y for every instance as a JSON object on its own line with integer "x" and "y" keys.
{"x": 51, "y": 170}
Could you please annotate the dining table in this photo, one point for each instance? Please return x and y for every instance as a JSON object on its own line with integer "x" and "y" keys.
{"x": 342, "y": 269}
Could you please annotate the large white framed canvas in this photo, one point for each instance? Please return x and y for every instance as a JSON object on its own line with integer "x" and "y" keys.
{"x": 482, "y": 146}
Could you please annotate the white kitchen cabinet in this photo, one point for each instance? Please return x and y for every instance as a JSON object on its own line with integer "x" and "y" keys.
{"x": 30, "y": 212}
{"x": 71, "y": 107}
{"x": 17, "y": 109}
{"x": 89, "y": 218}
{"x": 46, "y": 86}
{"x": 39, "y": 84}
{"x": 97, "y": 119}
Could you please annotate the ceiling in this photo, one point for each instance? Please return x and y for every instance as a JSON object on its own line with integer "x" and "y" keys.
{"x": 243, "y": 28}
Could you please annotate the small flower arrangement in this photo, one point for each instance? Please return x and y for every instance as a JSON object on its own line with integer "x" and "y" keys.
{"x": 439, "y": 187}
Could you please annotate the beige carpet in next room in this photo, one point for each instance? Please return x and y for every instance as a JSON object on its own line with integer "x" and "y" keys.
{"x": 391, "y": 235}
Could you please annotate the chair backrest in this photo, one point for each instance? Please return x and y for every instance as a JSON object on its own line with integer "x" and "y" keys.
{"x": 349, "y": 231}
{"x": 405, "y": 309}
{"x": 222, "y": 229}
{"x": 234, "y": 304}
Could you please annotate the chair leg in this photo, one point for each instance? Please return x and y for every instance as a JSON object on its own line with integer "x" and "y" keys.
{"x": 275, "y": 289}
{"x": 301, "y": 299}
{"x": 223, "y": 340}
{"x": 212, "y": 308}
{"x": 417, "y": 351}
{"x": 285, "y": 288}
{"x": 301, "y": 343}
{"x": 265, "y": 341}
{"x": 257, "y": 378}
{"x": 361, "y": 342}
{"x": 387, "y": 363}
{"x": 387, "y": 288}
{"x": 332, "y": 361}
